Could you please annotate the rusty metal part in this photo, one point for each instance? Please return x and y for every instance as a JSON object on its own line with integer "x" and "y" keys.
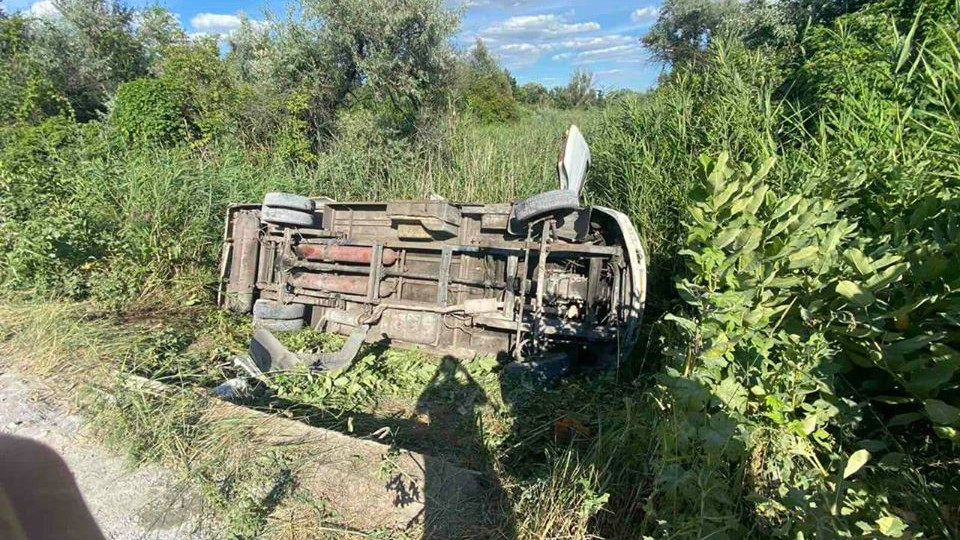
{"x": 343, "y": 254}
{"x": 330, "y": 282}
{"x": 243, "y": 265}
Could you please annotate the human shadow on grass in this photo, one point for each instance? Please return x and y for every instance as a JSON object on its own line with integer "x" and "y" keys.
{"x": 452, "y": 401}
{"x": 445, "y": 426}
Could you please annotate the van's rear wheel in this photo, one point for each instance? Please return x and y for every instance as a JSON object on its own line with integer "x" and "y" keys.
{"x": 277, "y": 199}
{"x": 268, "y": 309}
{"x": 285, "y": 216}
{"x": 278, "y": 325}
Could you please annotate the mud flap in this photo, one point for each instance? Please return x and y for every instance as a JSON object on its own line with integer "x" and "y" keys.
{"x": 269, "y": 355}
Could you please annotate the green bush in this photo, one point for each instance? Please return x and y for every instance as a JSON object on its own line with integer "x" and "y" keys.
{"x": 47, "y": 234}
{"x": 206, "y": 90}
{"x": 150, "y": 111}
{"x": 487, "y": 88}
{"x": 814, "y": 386}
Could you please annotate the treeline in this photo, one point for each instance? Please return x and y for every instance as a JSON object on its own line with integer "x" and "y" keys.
{"x": 491, "y": 94}
{"x": 290, "y": 83}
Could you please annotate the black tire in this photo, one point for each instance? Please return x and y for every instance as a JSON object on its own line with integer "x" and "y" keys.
{"x": 289, "y": 200}
{"x": 285, "y": 216}
{"x": 279, "y": 325}
{"x": 268, "y": 309}
{"x": 545, "y": 203}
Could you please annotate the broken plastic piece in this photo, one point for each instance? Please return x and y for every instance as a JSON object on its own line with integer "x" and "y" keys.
{"x": 232, "y": 388}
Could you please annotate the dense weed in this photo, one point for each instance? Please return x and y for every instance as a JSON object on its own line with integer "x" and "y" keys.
{"x": 814, "y": 384}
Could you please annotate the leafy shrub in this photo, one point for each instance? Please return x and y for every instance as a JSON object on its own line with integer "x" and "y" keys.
{"x": 46, "y": 233}
{"x": 150, "y": 111}
{"x": 204, "y": 84}
{"x": 487, "y": 91}
{"x": 754, "y": 394}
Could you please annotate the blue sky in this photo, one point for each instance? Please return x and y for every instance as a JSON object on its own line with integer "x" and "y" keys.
{"x": 538, "y": 40}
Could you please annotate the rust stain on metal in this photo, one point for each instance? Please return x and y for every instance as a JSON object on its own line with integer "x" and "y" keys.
{"x": 344, "y": 254}
{"x": 328, "y": 282}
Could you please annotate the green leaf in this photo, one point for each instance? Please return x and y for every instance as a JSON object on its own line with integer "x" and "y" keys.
{"x": 785, "y": 282}
{"x": 765, "y": 167}
{"x": 726, "y": 236}
{"x": 757, "y": 200}
{"x": 804, "y": 257}
{"x": 732, "y": 394}
{"x": 891, "y": 526}
{"x": 851, "y": 291}
{"x": 725, "y": 195}
{"x": 904, "y": 419}
{"x": 861, "y": 262}
{"x": 942, "y": 413}
{"x": 786, "y": 206}
{"x": 888, "y": 276}
{"x": 686, "y": 324}
{"x": 907, "y": 42}
{"x": 856, "y": 462}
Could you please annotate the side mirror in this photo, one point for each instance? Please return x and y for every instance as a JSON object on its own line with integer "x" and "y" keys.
{"x": 574, "y": 161}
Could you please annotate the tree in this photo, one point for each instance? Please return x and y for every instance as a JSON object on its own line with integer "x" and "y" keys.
{"x": 392, "y": 55}
{"x": 195, "y": 68}
{"x": 534, "y": 94}
{"x": 581, "y": 90}
{"x": 579, "y": 93}
{"x": 157, "y": 30}
{"x": 488, "y": 89}
{"x": 684, "y": 27}
{"x": 87, "y": 52}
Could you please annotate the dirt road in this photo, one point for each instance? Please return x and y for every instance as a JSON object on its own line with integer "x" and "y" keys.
{"x": 127, "y": 502}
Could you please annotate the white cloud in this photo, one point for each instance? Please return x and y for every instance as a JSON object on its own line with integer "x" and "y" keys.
{"x": 521, "y": 41}
{"x": 596, "y": 42}
{"x": 538, "y": 26}
{"x": 585, "y": 50}
{"x": 645, "y": 14}
{"x": 215, "y": 23}
{"x": 220, "y": 25}
{"x": 620, "y": 54}
{"x": 608, "y": 72}
{"x": 43, "y": 9}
